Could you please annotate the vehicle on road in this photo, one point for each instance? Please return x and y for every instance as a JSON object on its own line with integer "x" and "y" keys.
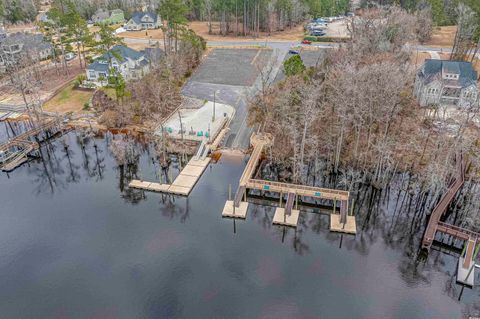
{"x": 306, "y": 42}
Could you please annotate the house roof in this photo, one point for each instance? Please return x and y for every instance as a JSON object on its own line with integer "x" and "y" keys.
{"x": 121, "y": 52}
{"x": 28, "y": 40}
{"x": 98, "y": 66}
{"x": 432, "y": 68}
{"x": 137, "y": 16}
{"x": 153, "y": 53}
{"x": 118, "y": 52}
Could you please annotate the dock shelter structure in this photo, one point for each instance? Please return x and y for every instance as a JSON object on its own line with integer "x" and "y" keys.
{"x": 289, "y": 214}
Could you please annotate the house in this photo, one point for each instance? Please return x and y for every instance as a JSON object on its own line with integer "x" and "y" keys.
{"x": 447, "y": 83}
{"x": 20, "y": 45}
{"x": 131, "y": 64}
{"x": 108, "y": 17}
{"x": 143, "y": 21}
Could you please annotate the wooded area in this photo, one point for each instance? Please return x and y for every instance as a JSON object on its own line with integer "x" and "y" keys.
{"x": 355, "y": 115}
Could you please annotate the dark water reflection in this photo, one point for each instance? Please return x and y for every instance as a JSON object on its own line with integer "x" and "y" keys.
{"x": 77, "y": 243}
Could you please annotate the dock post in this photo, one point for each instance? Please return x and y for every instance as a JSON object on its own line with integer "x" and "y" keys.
{"x": 476, "y": 252}
{"x": 245, "y": 195}
{"x": 280, "y": 203}
{"x": 230, "y": 192}
{"x": 351, "y": 209}
{"x": 464, "y": 249}
{"x": 296, "y": 201}
{"x": 334, "y": 205}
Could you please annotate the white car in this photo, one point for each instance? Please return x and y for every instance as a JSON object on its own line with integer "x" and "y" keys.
{"x": 70, "y": 56}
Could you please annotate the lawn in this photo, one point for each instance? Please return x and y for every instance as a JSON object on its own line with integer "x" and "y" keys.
{"x": 68, "y": 100}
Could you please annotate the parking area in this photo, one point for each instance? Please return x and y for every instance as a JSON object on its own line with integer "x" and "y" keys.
{"x": 235, "y": 67}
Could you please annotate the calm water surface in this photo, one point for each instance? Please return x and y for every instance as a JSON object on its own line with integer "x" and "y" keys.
{"x": 75, "y": 243}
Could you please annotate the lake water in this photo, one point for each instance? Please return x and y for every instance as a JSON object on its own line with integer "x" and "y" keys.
{"x": 75, "y": 243}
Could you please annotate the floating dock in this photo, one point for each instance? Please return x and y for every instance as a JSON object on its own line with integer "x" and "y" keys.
{"x": 466, "y": 263}
{"x": 281, "y": 218}
{"x": 182, "y": 185}
{"x": 230, "y": 211}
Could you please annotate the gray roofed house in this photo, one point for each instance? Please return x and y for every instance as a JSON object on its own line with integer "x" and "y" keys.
{"x": 131, "y": 64}
{"x": 143, "y": 21}
{"x": 444, "y": 83}
{"x": 17, "y": 45}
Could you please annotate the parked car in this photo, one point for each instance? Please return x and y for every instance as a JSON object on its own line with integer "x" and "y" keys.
{"x": 306, "y": 41}
{"x": 293, "y": 52}
{"x": 70, "y": 56}
{"x": 317, "y": 33}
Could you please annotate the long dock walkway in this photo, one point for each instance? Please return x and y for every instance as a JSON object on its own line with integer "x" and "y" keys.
{"x": 237, "y": 209}
{"x": 22, "y": 145}
{"x": 466, "y": 262}
{"x": 434, "y": 223}
{"x": 182, "y": 185}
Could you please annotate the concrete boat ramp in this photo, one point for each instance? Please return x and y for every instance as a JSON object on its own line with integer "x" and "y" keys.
{"x": 183, "y": 184}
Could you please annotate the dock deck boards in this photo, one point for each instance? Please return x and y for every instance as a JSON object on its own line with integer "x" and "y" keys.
{"x": 235, "y": 212}
{"x": 182, "y": 185}
{"x": 350, "y": 227}
{"x": 280, "y": 218}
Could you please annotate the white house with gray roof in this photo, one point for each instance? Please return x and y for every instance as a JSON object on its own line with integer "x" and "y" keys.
{"x": 143, "y": 21}
{"x": 447, "y": 83}
{"x": 130, "y": 63}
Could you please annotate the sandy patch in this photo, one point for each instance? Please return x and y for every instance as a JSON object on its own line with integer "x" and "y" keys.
{"x": 442, "y": 36}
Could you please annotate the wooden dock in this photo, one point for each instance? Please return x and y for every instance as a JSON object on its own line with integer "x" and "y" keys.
{"x": 345, "y": 224}
{"x": 436, "y": 225}
{"x": 182, "y": 185}
{"x": 22, "y": 145}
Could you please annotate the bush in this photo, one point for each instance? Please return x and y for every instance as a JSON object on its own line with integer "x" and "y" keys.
{"x": 325, "y": 39}
{"x": 293, "y": 65}
{"x": 86, "y": 106}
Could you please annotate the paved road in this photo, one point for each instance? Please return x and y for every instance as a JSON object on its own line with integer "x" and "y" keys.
{"x": 204, "y": 83}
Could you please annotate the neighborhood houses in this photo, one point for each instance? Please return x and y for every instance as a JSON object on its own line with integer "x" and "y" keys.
{"x": 107, "y": 17}
{"x": 14, "y": 45}
{"x": 131, "y": 64}
{"x": 143, "y": 21}
{"x": 446, "y": 83}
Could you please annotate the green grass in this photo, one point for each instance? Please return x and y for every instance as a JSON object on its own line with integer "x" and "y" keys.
{"x": 68, "y": 100}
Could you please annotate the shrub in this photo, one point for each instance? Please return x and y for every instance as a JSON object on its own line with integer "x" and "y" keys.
{"x": 293, "y": 65}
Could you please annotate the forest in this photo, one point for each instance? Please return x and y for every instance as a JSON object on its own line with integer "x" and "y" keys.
{"x": 355, "y": 117}
{"x": 252, "y": 14}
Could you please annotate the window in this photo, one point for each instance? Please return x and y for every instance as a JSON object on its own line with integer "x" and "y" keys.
{"x": 91, "y": 74}
{"x": 432, "y": 91}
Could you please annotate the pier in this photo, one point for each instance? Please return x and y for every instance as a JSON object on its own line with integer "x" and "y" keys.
{"x": 182, "y": 185}
{"x": 22, "y": 145}
{"x": 287, "y": 215}
{"x": 466, "y": 262}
